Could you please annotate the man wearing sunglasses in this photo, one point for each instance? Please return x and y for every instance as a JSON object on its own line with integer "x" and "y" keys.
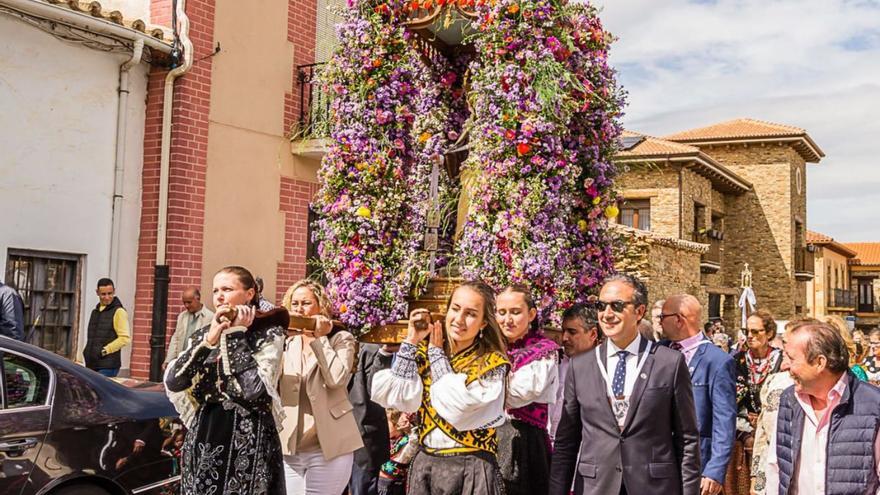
{"x": 643, "y": 437}
{"x": 713, "y": 375}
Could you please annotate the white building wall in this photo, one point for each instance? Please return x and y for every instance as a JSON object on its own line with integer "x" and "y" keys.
{"x": 57, "y": 150}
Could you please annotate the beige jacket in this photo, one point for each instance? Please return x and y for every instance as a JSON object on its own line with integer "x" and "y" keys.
{"x": 326, "y": 383}
{"x": 180, "y": 335}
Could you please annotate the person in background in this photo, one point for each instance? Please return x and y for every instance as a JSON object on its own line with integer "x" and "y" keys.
{"x": 840, "y": 325}
{"x": 827, "y": 402}
{"x": 523, "y": 442}
{"x": 194, "y": 316}
{"x": 753, "y": 365}
{"x": 370, "y": 417}
{"x": 319, "y": 433}
{"x": 108, "y": 332}
{"x": 263, "y": 304}
{"x": 714, "y": 381}
{"x": 656, "y": 309}
{"x": 11, "y": 313}
{"x": 404, "y": 445}
{"x": 580, "y": 333}
{"x": 872, "y": 362}
{"x": 861, "y": 341}
{"x": 770, "y": 394}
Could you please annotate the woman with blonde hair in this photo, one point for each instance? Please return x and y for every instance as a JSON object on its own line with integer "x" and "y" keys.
{"x": 840, "y": 325}
{"x": 456, "y": 381}
{"x": 319, "y": 431}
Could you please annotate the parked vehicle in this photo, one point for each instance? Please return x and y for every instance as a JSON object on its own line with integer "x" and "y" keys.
{"x": 66, "y": 430}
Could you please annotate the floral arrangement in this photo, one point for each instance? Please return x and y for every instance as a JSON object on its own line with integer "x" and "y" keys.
{"x": 542, "y": 107}
{"x": 545, "y": 105}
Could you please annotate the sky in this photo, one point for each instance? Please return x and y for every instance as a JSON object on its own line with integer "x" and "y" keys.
{"x": 813, "y": 64}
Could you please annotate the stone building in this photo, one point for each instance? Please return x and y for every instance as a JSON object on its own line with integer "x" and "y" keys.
{"x": 865, "y": 270}
{"x": 738, "y": 187}
{"x": 831, "y": 290}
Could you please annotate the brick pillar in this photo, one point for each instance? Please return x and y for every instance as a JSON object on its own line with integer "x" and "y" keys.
{"x": 295, "y": 198}
{"x": 186, "y": 193}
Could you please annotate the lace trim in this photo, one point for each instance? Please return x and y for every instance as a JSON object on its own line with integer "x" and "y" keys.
{"x": 405, "y": 366}
{"x": 439, "y": 363}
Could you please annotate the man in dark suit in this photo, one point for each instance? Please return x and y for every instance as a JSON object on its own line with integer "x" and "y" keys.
{"x": 371, "y": 420}
{"x": 642, "y": 438}
{"x": 713, "y": 376}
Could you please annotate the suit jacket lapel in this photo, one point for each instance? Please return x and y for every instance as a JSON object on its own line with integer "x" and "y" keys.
{"x": 640, "y": 383}
{"x": 695, "y": 360}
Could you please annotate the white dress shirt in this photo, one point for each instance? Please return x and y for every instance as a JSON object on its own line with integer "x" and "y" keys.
{"x": 632, "y": 364}
{"x": 809, "y": 470}
{"x": 537, "y": 382}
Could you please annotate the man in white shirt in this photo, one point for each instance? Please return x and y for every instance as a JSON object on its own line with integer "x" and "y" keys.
{"x": 826, "y": 402}
{"x": 194, "y": 317}
{"x": 628, "y": 423}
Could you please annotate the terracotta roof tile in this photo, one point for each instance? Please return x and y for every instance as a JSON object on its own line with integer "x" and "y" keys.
{"x": 95, "y": 9}
{"x": 816, "y": 237}
{"x": 868, "y": 253}
{"x": 652, "y": 146}
{"x": 737, "y": 128}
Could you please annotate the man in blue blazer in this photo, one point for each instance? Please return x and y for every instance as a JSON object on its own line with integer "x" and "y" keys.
{"x": 713, "y": 378}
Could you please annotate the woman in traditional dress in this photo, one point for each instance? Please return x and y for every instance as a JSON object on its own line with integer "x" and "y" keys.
{"x": 457, "y": 384}
{"x": 224, "y": 385}
{"x": 753, "y": 365}
{"x": 524, "y": 444}
{"x": 872, "y": 362}
{"x": 319, "y": 432}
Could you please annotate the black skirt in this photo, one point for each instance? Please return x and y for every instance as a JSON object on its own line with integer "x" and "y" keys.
{"x": 230, "y": 450}
{"x": 465, "y": 474}
{"x": 524, "y": 458}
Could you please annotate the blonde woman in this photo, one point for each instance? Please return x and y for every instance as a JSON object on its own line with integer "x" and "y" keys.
{"x": 319, "y": 432}
{"x": 854, "y": 364}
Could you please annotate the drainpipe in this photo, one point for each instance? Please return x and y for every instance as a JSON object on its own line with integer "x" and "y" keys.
{"x": 161, "y": 272}
{"x": 121, "y": 134}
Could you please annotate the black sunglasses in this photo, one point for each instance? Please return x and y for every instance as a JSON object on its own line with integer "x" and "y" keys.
{"x": 616, "y": 306}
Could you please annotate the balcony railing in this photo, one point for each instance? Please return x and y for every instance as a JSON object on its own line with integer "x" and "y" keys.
{"x": 314, "y": 104}
{"x": 804, "y": 263}
{"x": 710, "y": 261}
{"x": 843, "y": 298}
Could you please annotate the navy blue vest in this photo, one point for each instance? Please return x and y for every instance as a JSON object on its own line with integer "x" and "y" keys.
{"x": 849, "y": 461}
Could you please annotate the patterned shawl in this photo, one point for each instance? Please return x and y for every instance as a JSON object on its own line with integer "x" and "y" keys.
{"x": 532, "y": 347}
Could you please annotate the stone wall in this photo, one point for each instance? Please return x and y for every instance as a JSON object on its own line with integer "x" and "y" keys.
{"x": 659, "y": 184}
{"x": 760, "y": 224}
{"x": 667, "y": 265}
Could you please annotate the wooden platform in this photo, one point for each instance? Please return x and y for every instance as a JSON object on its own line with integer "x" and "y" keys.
{"x": 434, "y": 299}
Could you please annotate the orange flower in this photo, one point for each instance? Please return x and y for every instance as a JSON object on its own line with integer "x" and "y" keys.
{"x": 523, "y": 148}
{"x": 513, "y": 9}
{"x": 427, "y": 4}
{"x": 377, "y": 62}
{"x": 343, "y": 308}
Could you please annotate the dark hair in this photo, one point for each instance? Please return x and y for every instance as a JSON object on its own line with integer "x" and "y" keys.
{"x": 707, "y": 326}
{"x": 825, "y": 340}
{"x": 640, "y": 292}
{"x": 259, "y": 284}
{"x": 246, "y": 279}
{"x": 104, "y": 282}
{"x": 586, "y": 313}
{"x": 529, "y": 300}
{"x": 767, "y": 319}
{"x": 492, "y": 339}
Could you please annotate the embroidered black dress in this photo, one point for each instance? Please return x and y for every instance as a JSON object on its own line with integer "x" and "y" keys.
{"x": 232, "y": 444}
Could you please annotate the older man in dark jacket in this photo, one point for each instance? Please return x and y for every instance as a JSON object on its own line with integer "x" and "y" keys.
{"x": 643, "y": 437}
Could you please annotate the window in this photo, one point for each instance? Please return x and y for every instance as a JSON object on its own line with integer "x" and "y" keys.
{"x": 866, "y": 295}
{"x": 25, "y": 383}
{"x": 699, "y": 220}
{"x": 49, "y": 286}
{"x": 636, "y": 213}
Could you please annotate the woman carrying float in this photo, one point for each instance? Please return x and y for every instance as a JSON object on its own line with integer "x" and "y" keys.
{"x": 524, "y": 444}
{"x": 456, "y": 382}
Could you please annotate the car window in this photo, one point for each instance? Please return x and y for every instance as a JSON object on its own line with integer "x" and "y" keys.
{"x": 25, "y": 382}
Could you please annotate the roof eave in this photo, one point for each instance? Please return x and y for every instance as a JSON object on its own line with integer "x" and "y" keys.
{"x": 718, "y": 174}
{"x": 811, "y": 152}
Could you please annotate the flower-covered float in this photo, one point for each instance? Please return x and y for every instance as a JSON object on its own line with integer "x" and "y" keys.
{"x": 474, "y": 136}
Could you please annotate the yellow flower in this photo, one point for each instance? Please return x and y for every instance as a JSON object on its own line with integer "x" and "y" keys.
{"x": 582, "y": 225}
{"x": 612, "y": 211}
{"x": 597, "y": 200}
{"x": 424, "y": 137}
{"x": 363, "y": 212}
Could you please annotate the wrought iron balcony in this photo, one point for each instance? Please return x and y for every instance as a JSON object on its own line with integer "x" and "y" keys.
{"x": 842, "y": 298}
{"x": 314, "y": 104}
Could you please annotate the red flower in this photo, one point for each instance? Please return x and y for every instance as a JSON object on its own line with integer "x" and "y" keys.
{"x": 523, "y": 149}
{"x": 510, "y": 134}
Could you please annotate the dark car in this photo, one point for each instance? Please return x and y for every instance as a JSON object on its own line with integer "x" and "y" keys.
{"x": 66, "y": 430}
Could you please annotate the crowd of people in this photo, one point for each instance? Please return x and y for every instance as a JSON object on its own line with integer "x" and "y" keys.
{"x": 482, "y": 402}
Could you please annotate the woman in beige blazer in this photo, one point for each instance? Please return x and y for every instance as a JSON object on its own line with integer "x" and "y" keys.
{"x": 319, "y": 432}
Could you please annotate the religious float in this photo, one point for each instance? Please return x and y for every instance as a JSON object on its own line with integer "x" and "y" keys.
{"x": 468, "y": 138}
